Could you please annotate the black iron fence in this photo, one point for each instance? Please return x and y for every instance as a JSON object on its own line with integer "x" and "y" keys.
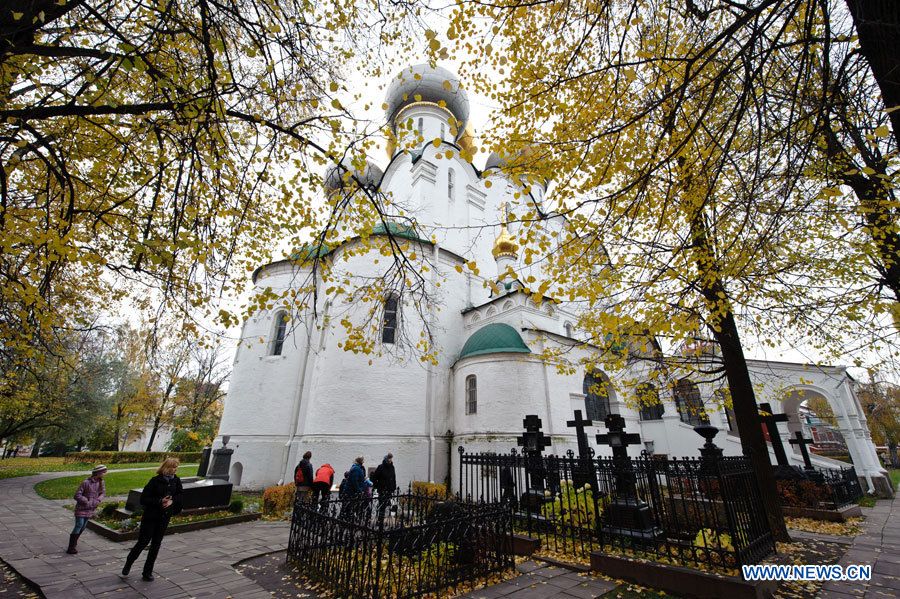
{"x": 692, "y": 512}
{"x": 406, "y": 545}
{"x": 828, "y": 489}
{"x": 843, "y": 485}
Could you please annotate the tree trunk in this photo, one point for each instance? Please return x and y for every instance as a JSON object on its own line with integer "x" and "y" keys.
{"x": 876, "y": 205}
{"x": 36, "y": 448}
{"x": 743, "y": 398}
{"x": 153, "y": 432}
{"x": 878, "y": 26}
{"x": 170, "y": 387}
{"x": 746, "y": 414}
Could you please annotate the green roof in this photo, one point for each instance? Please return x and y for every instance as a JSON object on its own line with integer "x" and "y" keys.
{"x": 309, "y": 252}
{"x": 397, "y": 230}
{"x": 494, "y": 338}
{"x": 618, "y": 347}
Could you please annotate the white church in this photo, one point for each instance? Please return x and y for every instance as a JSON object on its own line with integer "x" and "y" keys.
{"x": 294, "y": 387}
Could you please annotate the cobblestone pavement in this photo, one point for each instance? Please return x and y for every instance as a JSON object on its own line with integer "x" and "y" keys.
{"x": 540, "y": 581}
{"x": 878, "y": 545}
{"x": 34, "y": 533}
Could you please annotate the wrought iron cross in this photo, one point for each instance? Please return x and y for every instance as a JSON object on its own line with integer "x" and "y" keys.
{"x": 800, "y": 440}
{"x": 533, "y": 440}
{"x": 771, "y": 421}
{"x": 584, "y": 450}
{"x": 533, "y": 443}
{"x": 617, "y": 438}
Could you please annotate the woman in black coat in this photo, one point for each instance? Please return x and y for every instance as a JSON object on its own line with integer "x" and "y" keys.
{"x": 161, "y": 499}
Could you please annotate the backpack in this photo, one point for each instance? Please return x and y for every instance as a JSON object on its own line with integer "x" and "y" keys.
{"x": 299, "y": 478}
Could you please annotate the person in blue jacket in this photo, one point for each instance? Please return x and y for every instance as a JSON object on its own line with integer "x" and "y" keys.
{"x": 356, "y": 484}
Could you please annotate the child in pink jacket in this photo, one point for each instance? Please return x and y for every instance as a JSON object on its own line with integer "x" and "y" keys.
{"x": 88, "y": 496}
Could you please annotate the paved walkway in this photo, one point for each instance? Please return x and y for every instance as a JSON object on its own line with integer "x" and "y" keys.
{"x": 34, "y": 534}
{"x": 878, "y": 545}
{"x": 540, "y": 581}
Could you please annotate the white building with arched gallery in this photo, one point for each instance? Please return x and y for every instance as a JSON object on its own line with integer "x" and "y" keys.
{"x": 295, "y": 388}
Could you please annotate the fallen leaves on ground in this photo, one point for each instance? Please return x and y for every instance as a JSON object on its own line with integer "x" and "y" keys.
{"x": 850, "y": 528}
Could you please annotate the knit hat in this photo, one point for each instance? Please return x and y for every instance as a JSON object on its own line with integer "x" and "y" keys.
{"x": 98, "y": 469}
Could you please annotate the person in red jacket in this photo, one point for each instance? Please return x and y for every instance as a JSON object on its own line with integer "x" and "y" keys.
{"x": 322, "y": 483}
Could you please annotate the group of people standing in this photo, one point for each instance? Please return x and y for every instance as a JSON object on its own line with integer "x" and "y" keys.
{"x": 355, "y": 488}
{"x": 161, "y": 499}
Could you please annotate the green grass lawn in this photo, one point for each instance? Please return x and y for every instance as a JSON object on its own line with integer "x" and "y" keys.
{"x": 117, "y": 483}
{"x": 13, "y": 467}
{"x": 895, "y": 477}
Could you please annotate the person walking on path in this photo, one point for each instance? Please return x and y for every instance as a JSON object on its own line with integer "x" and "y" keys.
{"x": 303, "y": 477}
{"x": 322, "y": 483}
{"x": 385, "y": 480}
{"x": 90, "y": 493}
{"x": 161, "y": 499}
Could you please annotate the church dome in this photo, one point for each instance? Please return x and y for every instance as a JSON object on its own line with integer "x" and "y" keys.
{"x": 495, "y": 161}
{"x": 524, "y": 160}
{"x": 424, "y": 83}
{"x": 337, "y": 176}
{"x": 505, "y": 245}
{"x": 496, "y": 338}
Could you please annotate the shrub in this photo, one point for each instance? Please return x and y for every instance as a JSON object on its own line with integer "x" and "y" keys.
{"x": 130, "y": 457}
{"x": 801, "y": 493}
{"x": 573, "y": 507}
{"x": 711, "y": 539}
{"x": 421, "y": 487}
{"x": 236, "y": 506}
{"x": 278, "y": 499}
{"x": 108, "y": 508}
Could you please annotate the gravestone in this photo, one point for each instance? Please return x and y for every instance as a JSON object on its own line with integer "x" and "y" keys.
{"x": 626, "y": 515}
{"x": 771, "y": 420}
{"x": 808, "y": 470}
{"x": 204, "y": 461}
{"x": 533, "y": 443}
{"x": 782, "y": 470}
{"x": 584, "y": 472}
{"x": 802, "y": 442}
{"x": 221, "y": 461}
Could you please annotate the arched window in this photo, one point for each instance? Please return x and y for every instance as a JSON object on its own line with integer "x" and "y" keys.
{"x": 471, "y": 394}
{"x": 389, "y": 325}
{"x": 281, "y": 321}
{"x": 689, "y": 403}
{"x": 442, "y": 131}
{"x": 421, "y": 126}
{"x": 570, "y": 330}
{"x": 596, "y": 395}
{"x": 451, "y": 185}
{"x": 651, "y": 407}
{"x": 730, "y": 421}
